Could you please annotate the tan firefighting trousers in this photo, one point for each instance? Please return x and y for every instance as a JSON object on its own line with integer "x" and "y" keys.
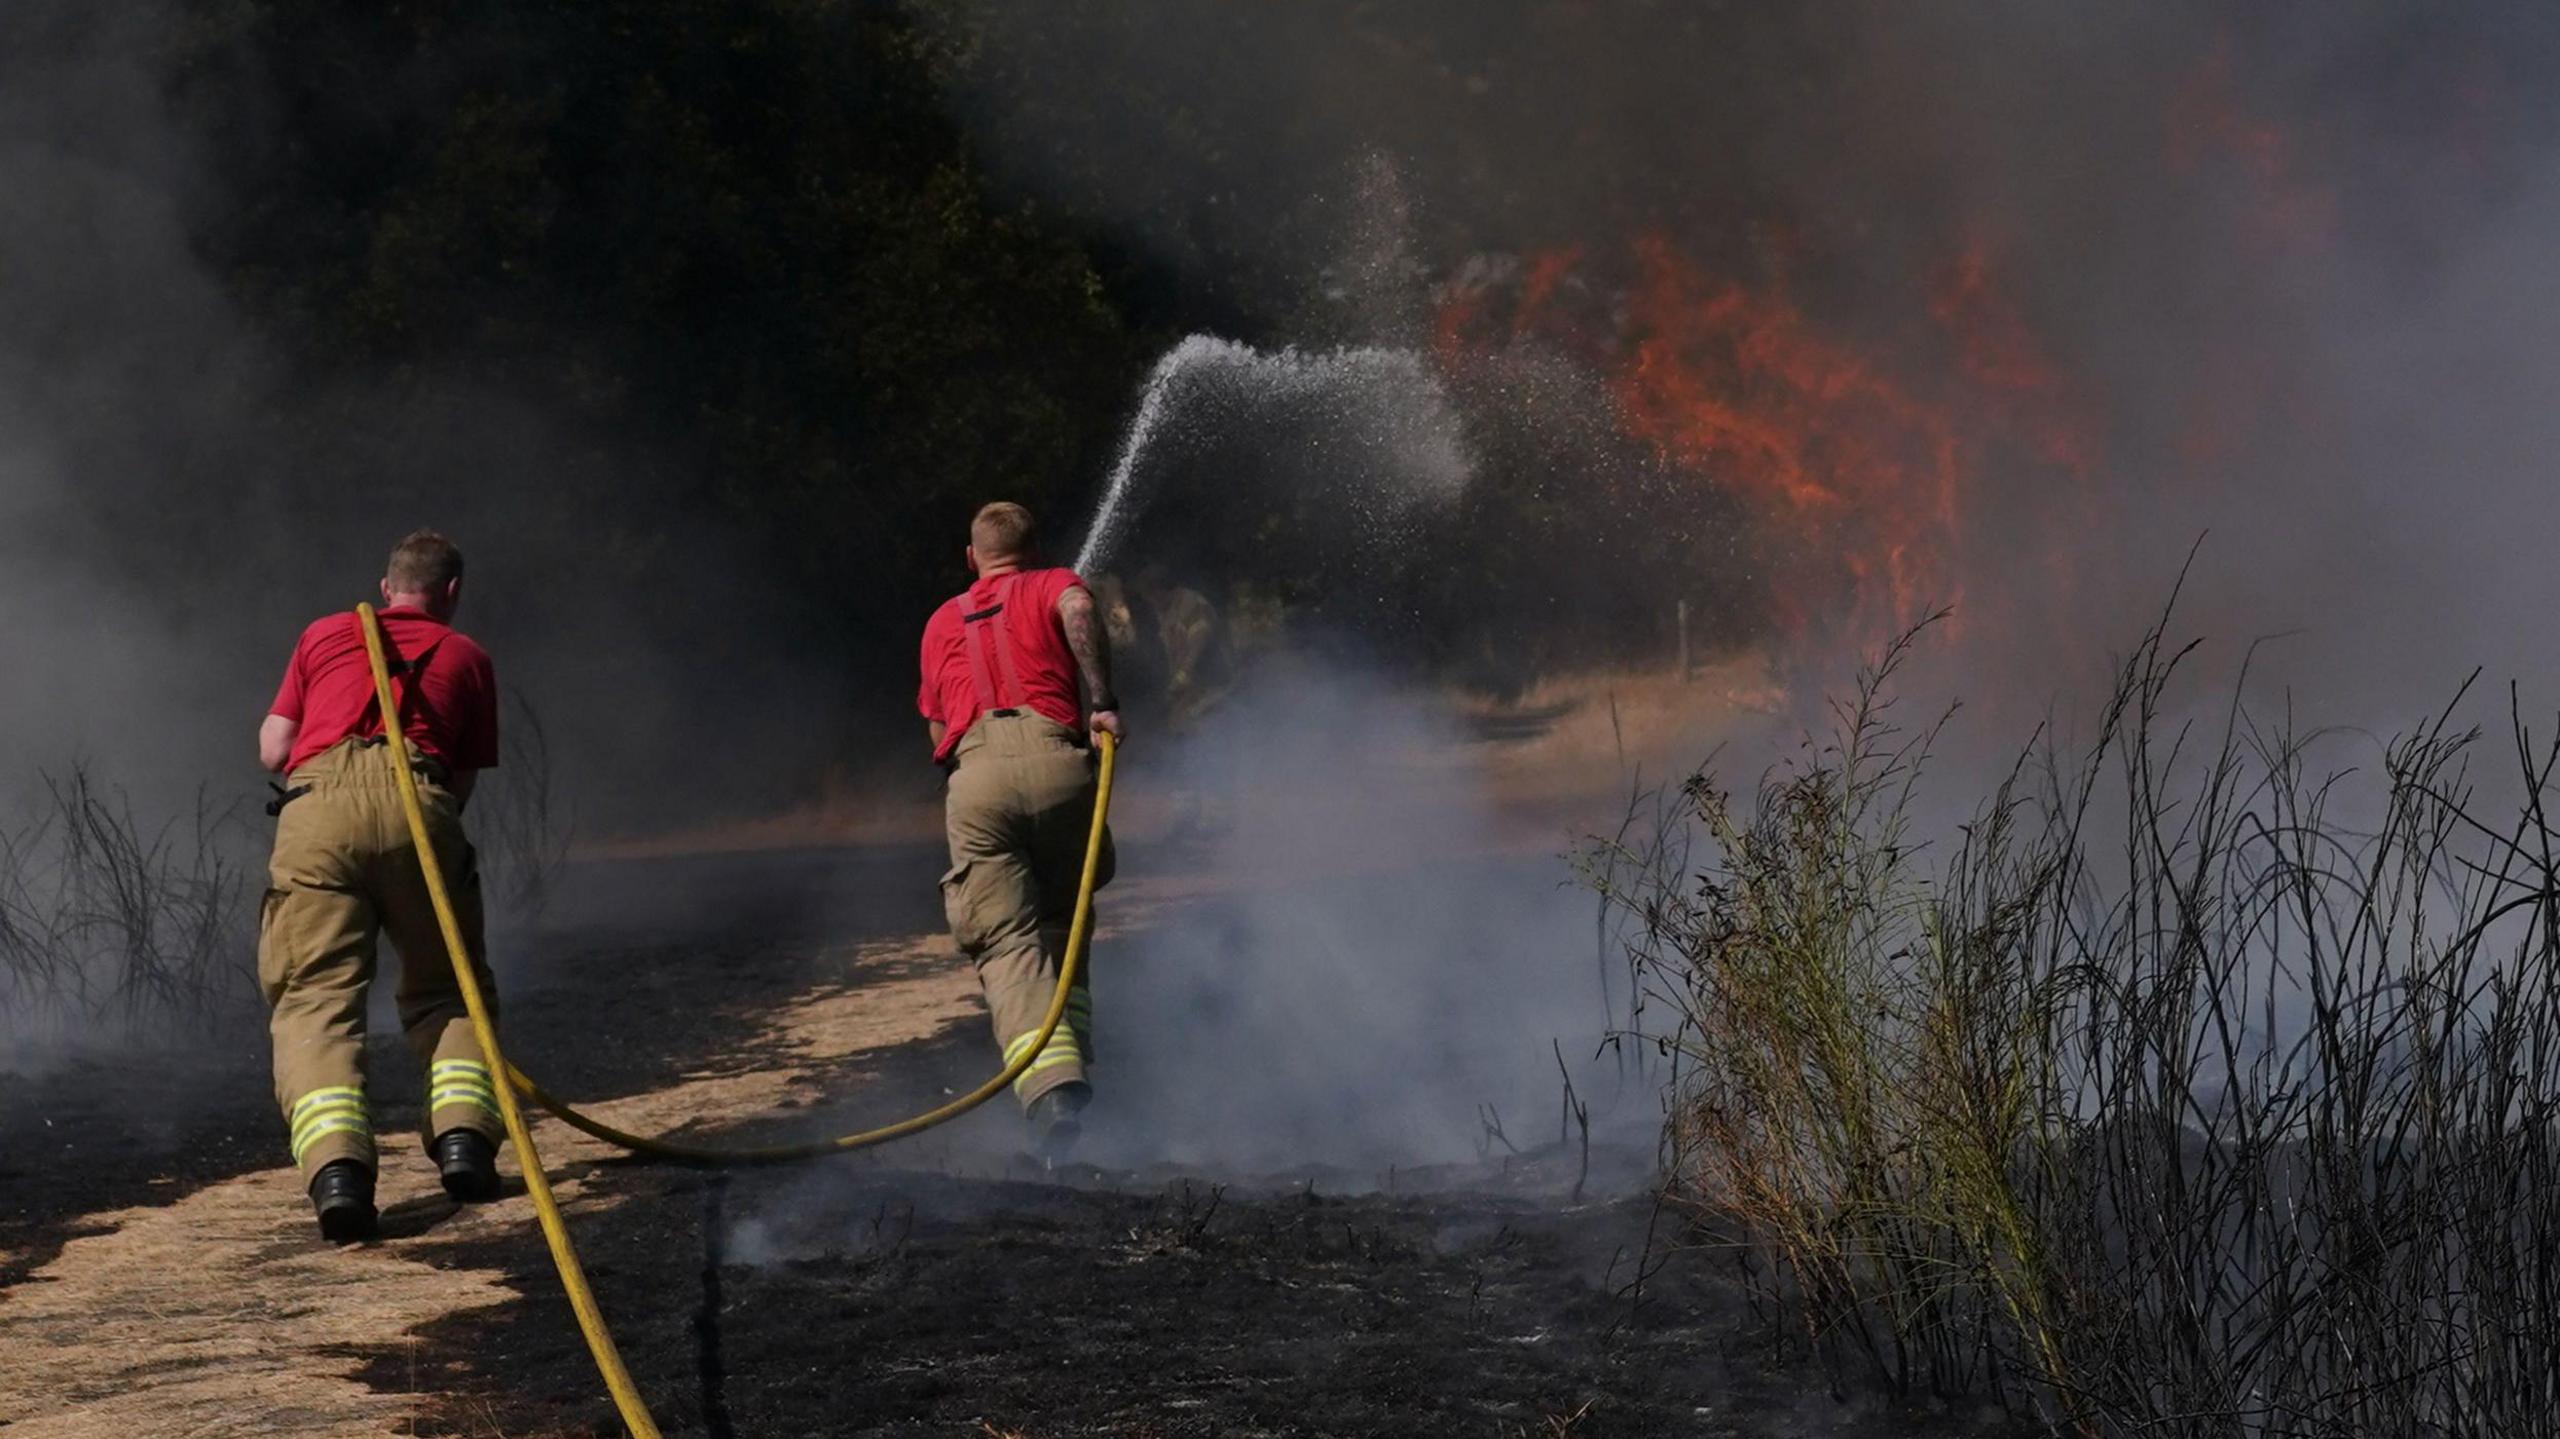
{"x": 344, "y": 870}
{"x": 1019, "y": 811}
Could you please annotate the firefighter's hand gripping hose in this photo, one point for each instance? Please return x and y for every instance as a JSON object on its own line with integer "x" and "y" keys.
{"x": 564, "y": 1256}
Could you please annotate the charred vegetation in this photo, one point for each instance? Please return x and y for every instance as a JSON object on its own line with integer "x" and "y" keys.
{"x": 2188, "y": 1082}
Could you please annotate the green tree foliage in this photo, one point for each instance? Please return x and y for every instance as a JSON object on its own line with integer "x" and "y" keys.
{"x": 743, "y": 240}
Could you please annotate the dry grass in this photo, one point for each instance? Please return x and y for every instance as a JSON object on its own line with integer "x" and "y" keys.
{"x": 107, "y": 919}
{"x": 110, "y": 919}
{"x": 2167, "y": 1095}
{"x": 1565, "y": 1424}
{"x": 180, "y": 1318}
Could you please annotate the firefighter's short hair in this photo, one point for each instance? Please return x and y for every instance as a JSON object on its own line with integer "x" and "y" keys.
{"x": 423, "y": 562}
{"x": 1003, "y": 531}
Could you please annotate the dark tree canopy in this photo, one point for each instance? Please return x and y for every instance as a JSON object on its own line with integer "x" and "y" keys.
{"x": 744, "y": 245}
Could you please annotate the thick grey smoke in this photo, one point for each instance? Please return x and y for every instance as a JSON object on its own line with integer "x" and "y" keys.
{"x": 120, "y": 360}
{"x": 1382, "y": 964}
{"x": 2281, "y": 282}
{"x": 176, "y": 502}
{"x": 2289, "y": 268}
{"x": 177, "y": 498}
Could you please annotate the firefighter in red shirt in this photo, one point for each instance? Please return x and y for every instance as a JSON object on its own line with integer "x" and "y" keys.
{"x": 1002, "y": 665}
{"x": 345, "y": 869}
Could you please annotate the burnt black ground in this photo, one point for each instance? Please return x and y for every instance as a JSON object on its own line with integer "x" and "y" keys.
{"x": 94, "y": 1135}
{"x": 916, "y": 1304}
{"x": 932, "y": 1289}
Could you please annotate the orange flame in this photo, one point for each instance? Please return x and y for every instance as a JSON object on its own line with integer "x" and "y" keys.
{"x": 1466, "y": 308}
{"x": 1547, "y": 269}
{"x": 1859, "y": 477}
{"x": 1855, "y": 479}
{"x": 2000, "y": 354}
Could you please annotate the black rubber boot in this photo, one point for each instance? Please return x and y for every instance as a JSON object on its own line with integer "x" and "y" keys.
{"x": 469, "y": 1164}
{"x": 342, "y": 1195}
{"x": 1055, "y": 1126}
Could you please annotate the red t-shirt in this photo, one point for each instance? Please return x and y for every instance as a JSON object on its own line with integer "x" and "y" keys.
{"x": 452, "y": 706}
{"x": 1023, "y": 661}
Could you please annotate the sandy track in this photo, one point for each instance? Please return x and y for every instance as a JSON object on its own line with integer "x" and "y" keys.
{"x": 224, "y": 1314}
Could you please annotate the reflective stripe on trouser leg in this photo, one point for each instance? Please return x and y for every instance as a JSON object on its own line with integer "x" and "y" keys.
{"x": 1041, "y": 1077}
{"x": 330, "y": 1124}
{"x": 462, "y": 1095}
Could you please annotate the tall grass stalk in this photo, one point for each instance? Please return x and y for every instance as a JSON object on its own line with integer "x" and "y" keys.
{"x": 2186, "y": 1088}
{"x": 105, "y": 919}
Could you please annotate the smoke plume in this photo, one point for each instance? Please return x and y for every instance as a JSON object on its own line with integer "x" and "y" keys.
{"x": 2037, "y": 299}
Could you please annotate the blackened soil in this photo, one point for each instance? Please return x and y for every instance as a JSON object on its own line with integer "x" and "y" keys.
{"x": 93, "y": 1135}
{"x": 864, "y": 1300}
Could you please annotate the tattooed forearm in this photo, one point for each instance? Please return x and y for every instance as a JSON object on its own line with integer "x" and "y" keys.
{"x": 1091, "y": 645}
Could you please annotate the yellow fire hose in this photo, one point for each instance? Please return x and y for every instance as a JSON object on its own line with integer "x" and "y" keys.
{"x": 573, "y": 1278}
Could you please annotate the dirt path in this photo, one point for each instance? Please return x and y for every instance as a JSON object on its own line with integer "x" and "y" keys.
{"x": 222, "y": 1314}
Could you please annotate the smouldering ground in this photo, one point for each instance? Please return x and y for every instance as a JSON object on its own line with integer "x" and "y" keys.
{"x": 166, "y": 1280}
